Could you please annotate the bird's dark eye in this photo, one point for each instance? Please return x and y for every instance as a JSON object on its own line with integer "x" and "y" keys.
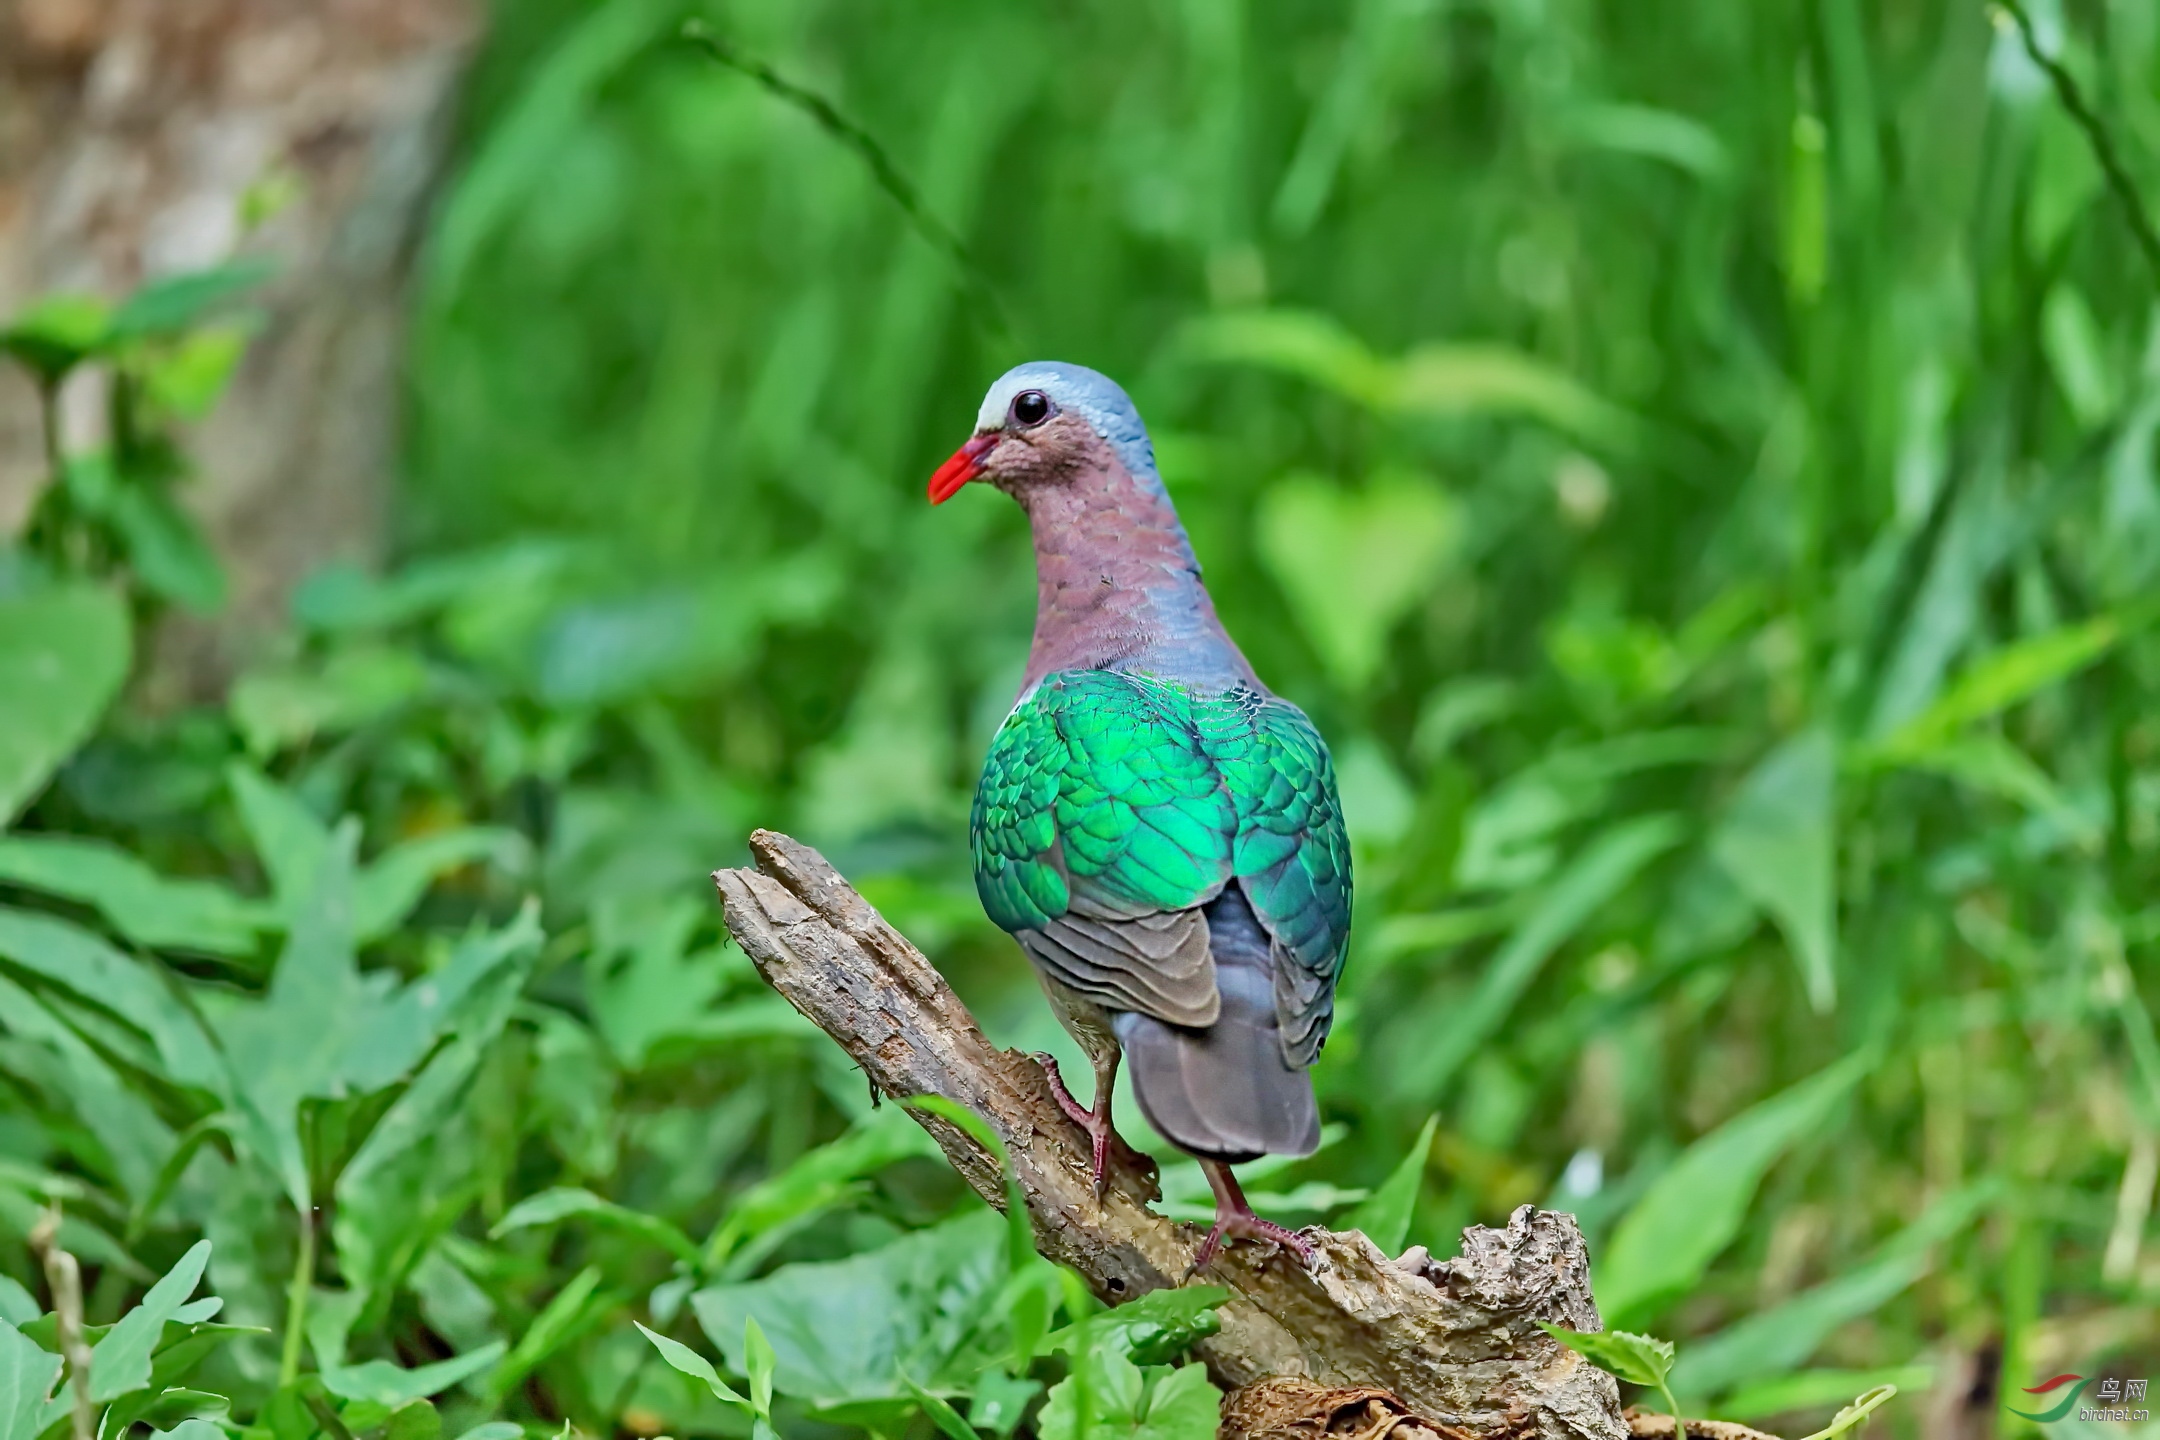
{"x": 1030, "y": 408}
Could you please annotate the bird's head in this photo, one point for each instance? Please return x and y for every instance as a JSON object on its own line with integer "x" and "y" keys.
{"x": 1039, "y": 422}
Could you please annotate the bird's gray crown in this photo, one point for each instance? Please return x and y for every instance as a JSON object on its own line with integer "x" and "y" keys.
{"x": 1090, "y": 394}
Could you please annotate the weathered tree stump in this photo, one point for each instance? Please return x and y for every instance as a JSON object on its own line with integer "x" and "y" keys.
{"x": 1360, "y": 1345}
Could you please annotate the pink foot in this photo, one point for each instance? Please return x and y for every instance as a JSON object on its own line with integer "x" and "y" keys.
{"x": 1234, "y": 1220}
{"x": 1096, "y": 1125}
{"x": 1249, "y": 1227}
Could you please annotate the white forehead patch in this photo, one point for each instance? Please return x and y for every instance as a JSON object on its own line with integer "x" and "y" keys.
{"x": 999, "y": 400}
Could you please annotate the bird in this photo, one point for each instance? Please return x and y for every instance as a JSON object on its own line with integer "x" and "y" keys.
{"x": 1160, "y": 831}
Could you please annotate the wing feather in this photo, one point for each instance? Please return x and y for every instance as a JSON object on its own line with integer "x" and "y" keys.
{"x": 1113, "y": 807}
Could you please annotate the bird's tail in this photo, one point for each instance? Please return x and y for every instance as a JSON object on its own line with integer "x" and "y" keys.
{"x": 1225, "y": 1092}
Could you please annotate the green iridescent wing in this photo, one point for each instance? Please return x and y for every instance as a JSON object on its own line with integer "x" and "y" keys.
{"x": 1290, "y": 851}
{"x": 1112, "y": 807}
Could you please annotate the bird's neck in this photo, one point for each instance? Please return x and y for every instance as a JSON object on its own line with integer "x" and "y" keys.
{"x": 1116, "y": 583}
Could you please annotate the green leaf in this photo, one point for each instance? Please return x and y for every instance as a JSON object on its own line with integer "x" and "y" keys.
{"x": 190, "y": 377}
{"x": 325, "y": 1032}
{"x": 1806, "y": 237}
{"x": 1106, "y": 1395}
{"x": 414, "y": 1420}
{"x": 819, "y": 1179}
{"x": 1019, "y": 1229}
{"x": 941, "y": 1413}
{"x": 192, "y": 1428}
{"x": 292, "y": 841}
{"x": 2077, "y": 352}
{"x": 389, "y": 888}
{"x": 1354, "y": 563}
{"x": 1183, "y": 1405}
{"x": 844, "y": 1330}
{"x": 1151, "y": 1329}
{"x": 58, "y": 333}
{"x": 567, "y": 1313}
{"x": 1606, "y": 866}
{"x": 522, "y": 150}
{"x": 63, "y": 652}
{"x": 683, "y": 1358}
{"x": 1852, "y": 1415}
{"x": 758, "y": 1363}
{"x": 179, "y": 302}
{"x": 281, "y": 707}
{"x": 550, "y": 1206}
{"x": 134, "y": 1138}
{"x": 379, "y": 1209}
{"x": 394, "y": 1385}
{"x": 1637, "y": 1359}
{"x": 17, "y": 1305}
{"x": 1385, "y": 1217}
{"x": 1781, "y": 1338}
{"x": 1432, "y": 381}
{"x": 1692, "y": 1212}
{"x": 2000, "y": 680}
{"x": 1000, "y": 1401}
{"x": 495, "y": 1430}
{"x": 167, "y": 549}
{"x": 290, "y": 1046}
{"x": 146, "y": 907}
{"x": 1778, "y": 843}
{"x": 289, "y": 839}
{"x": 27, "y": 1374}
{"x": 120, "y": 1363}
{"x": 73, "y": 958}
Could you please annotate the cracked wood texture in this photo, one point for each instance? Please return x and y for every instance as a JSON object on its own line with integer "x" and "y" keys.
{"x": 1454, "y": 1342}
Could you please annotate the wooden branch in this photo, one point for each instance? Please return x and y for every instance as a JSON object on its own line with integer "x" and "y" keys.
{"x": 1449, "y": 1347}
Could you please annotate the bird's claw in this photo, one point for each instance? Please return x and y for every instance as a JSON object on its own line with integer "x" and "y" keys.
{"x": 1096, "y": 1126}
{"x": 1249, "y": 1227}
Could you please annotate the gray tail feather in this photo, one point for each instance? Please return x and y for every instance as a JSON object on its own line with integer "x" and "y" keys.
{"x": 1225, "y": 1092}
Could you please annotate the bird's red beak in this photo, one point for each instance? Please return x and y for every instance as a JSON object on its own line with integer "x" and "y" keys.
{"x": 965, "y": 465}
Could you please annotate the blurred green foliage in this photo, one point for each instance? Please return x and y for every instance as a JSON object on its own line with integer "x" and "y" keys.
{"x": 1700, "y": 475}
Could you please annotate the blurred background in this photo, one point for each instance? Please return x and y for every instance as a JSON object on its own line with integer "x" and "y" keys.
{"x": 1697, "y": 468}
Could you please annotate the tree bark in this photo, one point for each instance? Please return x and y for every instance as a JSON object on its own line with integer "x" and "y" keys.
{"x": 131, "y": 132}
{"x": 1452, "y": 1347}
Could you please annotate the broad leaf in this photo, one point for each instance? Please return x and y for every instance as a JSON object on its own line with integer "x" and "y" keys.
{"x": 819, "y": 1179}
{"x": 1152, "y": 1329}
{"x": 27, "y": 1373}
{"x": 141, "y": 904}
{"x": 1354, "y": 562}
{"x": 549, "y": 1206}
{"x": 1637, "y": 1359}
{"x": 1778, "y": 842}
{"x": 121, "y": 1361}
{"x": 71, "y": 957}
{"x": 58, "y": 333}
{"x": 179, "y": 302}
{"x": 844, "y": 1330}
{"x": 1109, "y": 1397}
{"x": 683, "y": 1358}
{"x": 63, "y": 652}
{"x": 395, "y": 1385}
{"x": 1693, "y": 1211}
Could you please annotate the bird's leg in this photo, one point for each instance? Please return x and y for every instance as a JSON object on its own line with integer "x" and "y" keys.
{"x": 1095, "y": 1122}
{"x": 1234, "y": 1220}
